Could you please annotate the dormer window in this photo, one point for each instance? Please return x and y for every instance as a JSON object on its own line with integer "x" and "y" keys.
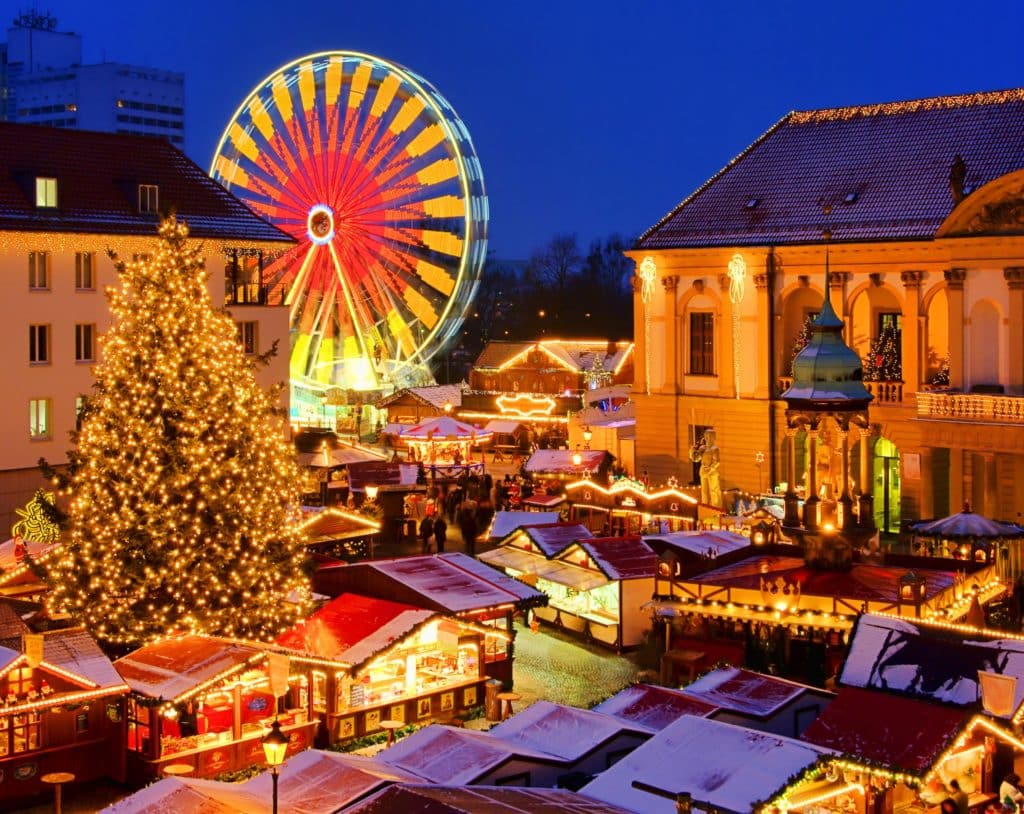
{"x": 149, "y": 198}
{"x": 46, "y": 192}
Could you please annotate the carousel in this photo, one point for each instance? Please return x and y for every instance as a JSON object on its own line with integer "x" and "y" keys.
{"x": 444, "y": 446}
{"x": 973, "y": 538}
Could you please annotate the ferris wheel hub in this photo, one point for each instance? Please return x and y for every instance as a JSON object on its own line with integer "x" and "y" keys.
{"x": 320, "y": 224}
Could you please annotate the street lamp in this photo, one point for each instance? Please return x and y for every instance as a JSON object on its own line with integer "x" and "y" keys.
{"x": 371, "y": 491}
{"x": 577, "y": 460}
{"x": 447, "y": 408}
{"x": 275, "y": 744}
{"x": 587, "y": 435}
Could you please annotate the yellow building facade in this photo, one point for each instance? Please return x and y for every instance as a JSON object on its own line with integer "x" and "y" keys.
{"x": 925, "y": 205}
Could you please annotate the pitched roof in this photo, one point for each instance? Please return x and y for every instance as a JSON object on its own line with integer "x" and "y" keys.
{"x": 730, "y": 767}
{"x": 434, "y": 396}
{"x": 885, "y": 168}
{"x": 621, "y": 557}
{"x": 566, "y": 732}
{"x": 745, "y": 692}
{"x": 481, "y": 800}
{"x": 75, "y": 651}
{"x": 353, "y": 628}
{"x": 653, "y": 707}
{"x": 874, "y": 726}
{"x": 551, "y": 539}
{"x": 504, "y": 523}
{"x": 12, "y": 626}
{"x": 97, "y": 186}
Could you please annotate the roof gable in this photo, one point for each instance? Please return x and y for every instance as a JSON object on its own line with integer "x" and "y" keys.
{"x": 885, "y": 168}
{"x": 567, "y": 732}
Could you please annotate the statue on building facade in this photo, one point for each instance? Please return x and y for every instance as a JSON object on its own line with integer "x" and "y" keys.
{"x": 706, "y": 453}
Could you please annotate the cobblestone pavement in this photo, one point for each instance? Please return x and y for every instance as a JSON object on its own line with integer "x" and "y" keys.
{"x": 553, "y": 666}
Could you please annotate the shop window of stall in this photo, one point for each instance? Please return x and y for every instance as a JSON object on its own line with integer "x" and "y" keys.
{"x": 140, "y": 722}
{"x": 23, "y": 733}
{"x": 19, "y": 682}
{"x": 319, "y": 691}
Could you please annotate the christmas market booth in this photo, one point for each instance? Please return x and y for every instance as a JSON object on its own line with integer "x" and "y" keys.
{"x": 445, "y": 445}
{"x": 453, "y": 584}
{"x": 627, "y": 506}
{"x": 339, "y": 534}
{"x": 206, "y": 702}
{"x": 17, "y": 579}
{"x": 62, "y": 710}
{"x": 595, "y": 586}
{"x": 380, "y": 661}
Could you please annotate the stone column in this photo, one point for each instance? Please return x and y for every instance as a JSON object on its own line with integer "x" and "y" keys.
{"x": 639, "y": 337}
{"x": 672, "y": 333}
{"x": 1014, "y": 277}
{"x": 955, "y": 299}
{"x": 811, "y": 501}
{"x": 866, "y": 504}
{"x": 724, "y": 346}
{"x": 837, "y": 291}
{"x": 763, "y": 388}
{"x": 927, "y": 485}
{"x": 791, "y": 500}
{"x": 956, "y": 480}
{"x": 911, "y": 350}
{"x": 843, "y": 436}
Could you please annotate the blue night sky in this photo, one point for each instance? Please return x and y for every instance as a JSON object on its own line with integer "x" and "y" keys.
{"x": 588, "y": 117}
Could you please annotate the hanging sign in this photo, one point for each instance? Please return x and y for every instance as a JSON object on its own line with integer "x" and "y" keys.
{"x": 277, "y": 670}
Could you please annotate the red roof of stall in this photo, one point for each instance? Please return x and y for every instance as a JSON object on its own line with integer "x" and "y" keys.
{"x": 901, "y": 733}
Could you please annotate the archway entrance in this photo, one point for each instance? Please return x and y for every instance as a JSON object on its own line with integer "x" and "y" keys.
{"x": 886, "y": 486}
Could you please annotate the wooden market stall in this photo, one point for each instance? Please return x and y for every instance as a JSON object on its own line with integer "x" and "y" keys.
{"x": 206, "y": 702}
{"x": 626, "y": 506}
{"x": 379, "y": 660}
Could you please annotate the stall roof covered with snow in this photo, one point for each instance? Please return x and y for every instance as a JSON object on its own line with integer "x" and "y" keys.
{"x": 318, "y": 782}
{"x": 190, "y": 796}
{"x": 480, "y": 800}
{"x": 444, "y": 754}
{"x": 550, "y": 539}
{"x": 931, "y": 660}
{"x": 879, "y": 728}
{"x": 560, "y": 461}
{"x": 730, "y": 767}
{"x": 173, "y": 668}
{"x": 651, "y": 707}
{"x": 504, "y": 523}
{"x": 746, "y": 693}
{"x": 450, "y": 583}
{"x": 620, "y": 557}
{"x": 701, "y": 542}
{"x": 566, "y": 732}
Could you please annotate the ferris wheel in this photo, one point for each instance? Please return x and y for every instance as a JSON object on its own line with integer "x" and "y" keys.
{"x": 371, "y": 171}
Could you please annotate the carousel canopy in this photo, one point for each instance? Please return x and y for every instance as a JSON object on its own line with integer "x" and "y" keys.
{"x": 966, "y": 524}
{"x": 444, "y": 428}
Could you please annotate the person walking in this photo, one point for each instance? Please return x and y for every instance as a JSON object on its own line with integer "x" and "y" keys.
{"x": 440, "y": 530}
{"x": 467, "y": 524}
{"x": 426, "y": 532}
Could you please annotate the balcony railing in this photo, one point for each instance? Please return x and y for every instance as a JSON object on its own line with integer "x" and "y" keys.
{"x": 952, "y": 406}
{"x": 884, "y": 392}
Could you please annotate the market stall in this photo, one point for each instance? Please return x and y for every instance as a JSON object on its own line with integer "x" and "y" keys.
{"x": 206, "y": 702}
{"x": 627, "y": 506}
{"x": 445, "y": 445}
{"x": 378, "y": 660}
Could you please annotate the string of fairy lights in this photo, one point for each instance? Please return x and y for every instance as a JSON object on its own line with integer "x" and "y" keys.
{"x": 182, "y": 489}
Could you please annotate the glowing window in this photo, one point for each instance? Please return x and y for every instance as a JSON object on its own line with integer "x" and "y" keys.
{"x": 46, "y": 193}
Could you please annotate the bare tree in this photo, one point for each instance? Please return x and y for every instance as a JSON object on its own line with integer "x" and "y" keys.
{"x": 555, "y": 264}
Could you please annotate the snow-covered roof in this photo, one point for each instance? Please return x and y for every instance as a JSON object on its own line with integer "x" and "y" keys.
{"x": 551, "y": 539}
{"x": 566, "y": 732}
{"x": 652, "y": 708}
{"x": 318, "y": 782}
{"x": 933, "y": 662}
{"x": 7, "y": 655}
{"x": 436, "y": 395}
{"x": 731, "y": 767}
{"x": 444, "y": 754}
{"x": 480, "y": 800}
{"x": 503, "y": 426}
{"x": 621, "y": 557}
{"x": 190, "y": 796}
{"x": 745, "y": 692}
{"x": 172, "y": 667}
{"x": 698, "y": 542}
{"x": 75, "y": 651}
{"x": 559, "y": 461}
{"x": 505, "y": 523}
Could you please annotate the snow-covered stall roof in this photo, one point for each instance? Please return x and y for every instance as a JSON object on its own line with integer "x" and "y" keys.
{"x": 551, "y": 539}
{"x": 560, "y": 461}
{"x": 317, "y": 782}
{"x": 652, "y": 708}
{"x": 698, "y": 542}
{"x": 76, "y": 652}
{"x": 564, "y": 731}
{"x": 444, "y": 754}
{"x": 352, "y": 629}
{"x": 745, "y": 692}
{"x": 505, "y": 523}
{"x": 873, "y": 726}
{"x": 170, "y": 668}
{"x": 622, "y": 557}
{"x": 480, "y": 799}
{"x": 189, "y": 796}
{"x": 929, "y": 661}
{"x": 728, "y": 766}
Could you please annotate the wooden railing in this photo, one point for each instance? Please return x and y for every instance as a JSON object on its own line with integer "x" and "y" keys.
{"x": 884, "y": 392}
{"x": 953, "y": 406}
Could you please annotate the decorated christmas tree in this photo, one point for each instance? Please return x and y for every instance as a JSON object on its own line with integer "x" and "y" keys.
{"x": 883, "y": 362}
{"x": 802, "y": 340}
{"x": 182, "y": 489}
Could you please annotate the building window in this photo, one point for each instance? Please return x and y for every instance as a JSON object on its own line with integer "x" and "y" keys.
{"x": 85, "y": 342}
{"x": 247, "y": 335}
{"x": 39, "y": 418}
{"x": 84, "y": 280}
{"x": 702, "y": 344}
{"x": 139, "y": 723}
{"x": 46, "y": 192}
{"x": 38, "y": 270}
{"x": 22, "y": 734}
{"x": 19, "y": 681}
{"x": 39, "y": 344}
{"x": 149, "y": 198}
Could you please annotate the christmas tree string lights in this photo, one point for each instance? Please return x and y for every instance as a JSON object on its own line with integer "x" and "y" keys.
{"x": 182, "y": 490}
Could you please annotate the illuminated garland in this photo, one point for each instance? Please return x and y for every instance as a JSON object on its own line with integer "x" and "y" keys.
{"x": 912, "y": 106}
{"x": 183, "y": 491}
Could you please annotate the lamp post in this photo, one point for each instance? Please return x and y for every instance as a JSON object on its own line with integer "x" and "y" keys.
{"x": 275, "y": 745}
{"x": 587, "y": 435}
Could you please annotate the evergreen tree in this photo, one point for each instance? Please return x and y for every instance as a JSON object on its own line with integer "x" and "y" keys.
{"x": 182, "y": 487}
{"x": 802, "y": 340}
{"x": 883, "y": 363}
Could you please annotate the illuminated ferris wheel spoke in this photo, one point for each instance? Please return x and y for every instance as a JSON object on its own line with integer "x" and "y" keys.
{"x": 366, "y": 166}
